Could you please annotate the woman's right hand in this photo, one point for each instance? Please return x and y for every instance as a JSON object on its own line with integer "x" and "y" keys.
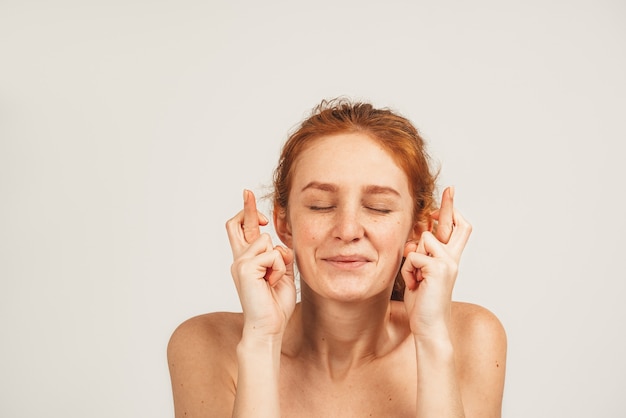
{"x": 263, "y": 273}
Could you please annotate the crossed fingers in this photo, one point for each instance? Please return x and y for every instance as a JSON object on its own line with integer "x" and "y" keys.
{"x": 244, "y": 228}
{"x": 446, "y": 242}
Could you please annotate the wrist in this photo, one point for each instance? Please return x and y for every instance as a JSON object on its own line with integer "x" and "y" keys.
{"x": 434, "y": 340}
{"x": 259, "y": 343}
{"x": 434, "y": 347}
{"x": 433, "y": 327}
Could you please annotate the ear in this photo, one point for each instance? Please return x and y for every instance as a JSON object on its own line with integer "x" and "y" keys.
{"x": 416, "y": 233}
{"x": 419, "y": 227}
{"x": 282, "y": 227}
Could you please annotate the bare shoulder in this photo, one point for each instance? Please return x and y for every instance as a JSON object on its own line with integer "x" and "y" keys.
{"x": 477, "y": 330}
{"x": 202, "y": 361}
{"x": 470, "y": 319}
{"x": 218, "y": 328}
{"x": 480, "y": 351}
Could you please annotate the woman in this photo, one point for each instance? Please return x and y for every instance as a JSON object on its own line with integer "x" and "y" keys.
{"x": 375, "y": 333}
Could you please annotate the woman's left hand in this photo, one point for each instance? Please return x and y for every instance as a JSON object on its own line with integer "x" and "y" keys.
{"x": 431, "y": 267}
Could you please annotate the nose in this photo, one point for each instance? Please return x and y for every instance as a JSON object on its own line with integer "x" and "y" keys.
{"x": 348, "y": 225}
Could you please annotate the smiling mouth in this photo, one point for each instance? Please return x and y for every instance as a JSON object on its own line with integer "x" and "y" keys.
{"x": 347, "y": 262}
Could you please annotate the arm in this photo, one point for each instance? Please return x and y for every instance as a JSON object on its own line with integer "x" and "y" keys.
{"x": 460, "y": 358}
{"x": 218, "y": 371}
{"x": 438, "y": 393}
{"x": 430, "y": 274}
{"x": 463, "y": 373}
{"x": 225, "y": 365}
{"x": 263, "y": 275}
{"x": 258, "y": 377}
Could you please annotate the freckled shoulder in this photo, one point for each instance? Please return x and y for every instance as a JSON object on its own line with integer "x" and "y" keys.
{"x": 203, "y": 365}
{"x": 480, "y": 354}
{"x": 470, "y": 321}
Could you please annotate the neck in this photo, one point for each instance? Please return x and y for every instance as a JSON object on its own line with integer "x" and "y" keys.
{"x": 339, "y": 336}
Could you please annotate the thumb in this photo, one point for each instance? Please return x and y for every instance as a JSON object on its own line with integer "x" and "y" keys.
{"x": 282, "y": 266}
{"x": 409, "y": 247}
{"x": 287, "y": 255}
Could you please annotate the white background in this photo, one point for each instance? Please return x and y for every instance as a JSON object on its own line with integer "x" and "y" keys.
{"x": 128, "y": 130}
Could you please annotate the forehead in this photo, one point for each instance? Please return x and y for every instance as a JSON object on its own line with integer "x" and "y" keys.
{"x": 350, "y": 159}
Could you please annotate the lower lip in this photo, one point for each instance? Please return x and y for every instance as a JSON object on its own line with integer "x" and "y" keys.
{"x": 346, "y": 265}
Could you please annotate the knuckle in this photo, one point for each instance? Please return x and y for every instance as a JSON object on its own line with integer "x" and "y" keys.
{"x": 237, "y": 267}
{"x": 279, "y": 264}
{"x": 265, "y": 238}
{"x": 235, "y": 270}
{"x": 229, "y": 223}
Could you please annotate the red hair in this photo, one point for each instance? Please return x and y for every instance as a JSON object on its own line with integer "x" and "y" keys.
{"x": 395, "y": 133}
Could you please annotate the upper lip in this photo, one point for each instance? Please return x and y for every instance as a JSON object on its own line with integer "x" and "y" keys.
{"x": 351, "y": 258}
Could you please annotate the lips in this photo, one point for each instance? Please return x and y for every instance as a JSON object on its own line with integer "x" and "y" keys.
{"x": 347, "y": 261}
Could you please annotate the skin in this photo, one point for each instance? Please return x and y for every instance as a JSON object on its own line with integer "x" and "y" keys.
{"x": 346, "y": 348}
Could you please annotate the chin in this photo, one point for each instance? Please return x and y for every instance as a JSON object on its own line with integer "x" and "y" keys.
{"x": 349, "y": 289}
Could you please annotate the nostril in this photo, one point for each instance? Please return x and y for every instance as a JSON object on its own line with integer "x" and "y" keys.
{"x": 349, "y": 229}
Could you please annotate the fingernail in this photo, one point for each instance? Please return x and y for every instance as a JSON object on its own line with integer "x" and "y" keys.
{"x": 245, "y": 195}
{"x": 264, "y": 217}
{"x": 451, "y": 191}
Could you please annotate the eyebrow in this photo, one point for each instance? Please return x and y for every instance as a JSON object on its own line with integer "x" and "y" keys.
{"x": 381, "y": 190}
{"x": 325, "y": 187}
{"x": 371, "y": 189}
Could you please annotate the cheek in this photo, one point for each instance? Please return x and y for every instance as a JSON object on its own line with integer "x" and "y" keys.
{"x": 391, "y": 239}
{"x": 306, "y": 234}
{"x": 397, "y": 229}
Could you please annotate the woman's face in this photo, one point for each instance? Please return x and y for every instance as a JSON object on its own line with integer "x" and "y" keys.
{"x": 349, "y": 216}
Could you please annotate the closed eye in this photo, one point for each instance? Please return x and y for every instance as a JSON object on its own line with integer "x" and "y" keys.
{"x": 321, "y": 208}
{"x": 379, "y": 210}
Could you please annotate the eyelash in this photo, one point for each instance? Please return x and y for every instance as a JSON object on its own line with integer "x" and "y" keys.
{"x": 326, "y": 208}
{"x": 383, "y": 211}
